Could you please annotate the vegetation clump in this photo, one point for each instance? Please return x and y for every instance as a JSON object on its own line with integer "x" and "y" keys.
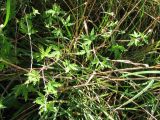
{"x": 79, "y": 60}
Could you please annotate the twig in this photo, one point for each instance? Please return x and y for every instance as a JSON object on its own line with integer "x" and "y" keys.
{"x": 125, "y": 79}
{"x": 129, "y": 69}
{"x": 13, "y": 65}
{"x": 90, "y": 78}
{"x": 130, "y": 62}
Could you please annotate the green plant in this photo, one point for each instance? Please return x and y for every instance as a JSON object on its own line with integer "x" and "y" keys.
{"x": 72, "y": 60}
{"x": 117, "y": 50}
{"x": 138, "y": 39}
{"x": 1, "y": 104}
{"x": 5, "y": 50}
{"x": 8, "y": 5}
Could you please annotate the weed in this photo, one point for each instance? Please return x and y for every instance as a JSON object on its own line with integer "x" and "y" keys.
{"x": 79, "y": 60}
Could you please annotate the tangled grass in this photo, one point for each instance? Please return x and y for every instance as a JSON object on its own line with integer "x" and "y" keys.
{"x": 81, "y": 59}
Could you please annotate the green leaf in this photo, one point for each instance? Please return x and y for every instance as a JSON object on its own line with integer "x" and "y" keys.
{"x": 70, "y": 66}
{"x": 91, "y": 37}
{"x": 35, "y": 11}
{"x": 23, "y": 90}
{"x": 5, "y": 50}
{"x": 138, "y": 39}
{"x": 41, "y": 99}
{"x": 82, "y": 52}
{"x": 101, "y": 64}
{"x": 55, "y": 54}
{"x": 58, "y": 33}
{"x": 26, "y": 26}
{"x": 1, "y": 104}
{"x": 67, "y": 21}
{"x": 51, "y": 87}
{"x": 55, "y": 11}
{"x": 117, "y": 50}
{"x": 53, "y": 15}
{"x": 45, "y": 106}
{"x": 33, "y": 77}
{"x": 50, "y": 52}
{"x": 5, "y": 47}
